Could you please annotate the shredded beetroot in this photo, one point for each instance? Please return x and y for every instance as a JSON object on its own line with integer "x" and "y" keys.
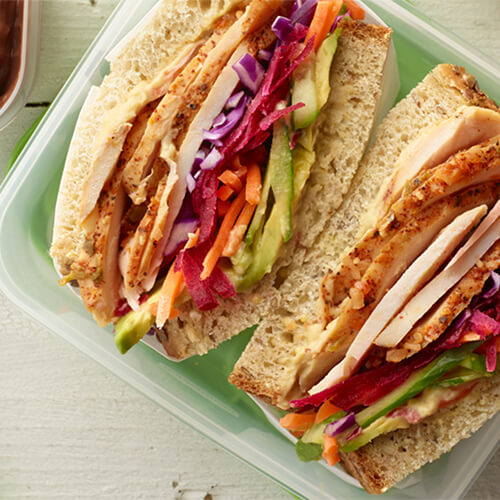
{"x": 368, "y": 387}
{"x": 205, "y": 203}
{"x": 491, "y": 355}
{"x": 191, "y": 265}
{"x": 203, "y": 292}
{"x": 275, "y": 115}
{"x": 274, "y": 88}
{"x": 483, "y": 325}
{"x": 122, "y": 308}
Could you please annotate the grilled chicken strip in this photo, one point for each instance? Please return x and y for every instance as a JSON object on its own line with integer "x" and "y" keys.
{"x": 117, "y": 123}
{"x": 436, "y": 322}
{"x": 395, "y": 256}
{"x": 470, "y": 125}
{"x": 479, "y": 164}
{"x": 153, "y": 238}
{"x": 97, "y": 267}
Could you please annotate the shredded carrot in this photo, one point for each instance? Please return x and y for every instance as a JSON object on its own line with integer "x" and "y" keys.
{"x": 253, "y": 187}
{"x": 169, "y": 291}
{"x": 324, "y": 16}
{"x": 241, "y": 172}
{"x": 229, "y": 178}
{"x": 356, "y": 11}
{"x": 327, "y": 409}
{"x": 240, "y": 228}
{"x": 224, "y": 192}
{"x": 215, "y": 252}
{"x": 330, "y": 450}
{"x": 172, "y": 287}
{"x": 237, "y": 162}
{"x": 239, "y": 169}
{"x": 223, "y": 207}
{"x": 497, "y": 341}
{"x": 297, "y": 422}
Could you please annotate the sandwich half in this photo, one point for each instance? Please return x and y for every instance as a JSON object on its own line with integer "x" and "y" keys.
{"x": 218, "y": 133}
{"x": 277, "y": 363}
{"x": 402, "y": 362}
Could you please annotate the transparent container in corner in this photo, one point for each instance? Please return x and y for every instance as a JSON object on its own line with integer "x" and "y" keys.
{"x": 20, "y": 23}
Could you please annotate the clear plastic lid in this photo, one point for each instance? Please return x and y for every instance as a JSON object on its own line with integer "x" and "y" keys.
{"x": 22, "y": 84}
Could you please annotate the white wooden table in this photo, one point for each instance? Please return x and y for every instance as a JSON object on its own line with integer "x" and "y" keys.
{"x": 70, "y": 429}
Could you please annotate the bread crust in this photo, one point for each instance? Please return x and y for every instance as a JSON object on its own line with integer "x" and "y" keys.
{"x": 456, "y": 77}
{"x": 391, "y": 457}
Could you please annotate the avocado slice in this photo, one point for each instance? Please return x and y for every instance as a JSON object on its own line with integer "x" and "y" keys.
{"x": 265, "y": 251}
{"x": 324, "y": 60}
{"x": 264, "y": 238}
{"x": 279, "y": 179}
{"x": 135, "y": 324}
{"x": 303, "y": 159}
{"x": 381, "y": 426}
{"x": 311, "y": 82}
{"x": 308, "y": 451}
{"x": 315, "y": 433}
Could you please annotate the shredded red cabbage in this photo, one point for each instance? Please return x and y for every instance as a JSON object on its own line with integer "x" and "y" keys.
{"x": 212, "y": 160}
{"x": 282, "y": 27}
{"x": 250, "y": 72}
{"x": 203, "y": 292}
{"x": 191, "y": 183}
{"x": 494, "y": 287}
{"x": 232, "y": 119}
{"x": 340, "y": 425}
{"x": 338, "y": 19}
{"x": 265, "y": 55}
{"x": 179, "y": 236}
{"x": 302, "y": 11}
{"x": 235, "y": 99}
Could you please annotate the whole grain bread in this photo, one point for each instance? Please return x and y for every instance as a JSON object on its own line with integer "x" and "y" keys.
{"x": 290, "y": 331}
{"x": 391, "y": 457}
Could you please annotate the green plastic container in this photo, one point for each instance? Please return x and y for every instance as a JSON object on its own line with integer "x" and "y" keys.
{"x": 196, "y": 391}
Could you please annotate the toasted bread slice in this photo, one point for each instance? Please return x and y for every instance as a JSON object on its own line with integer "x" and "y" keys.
{"x": 391, "y": 457}
{"x": 291, "y": 331}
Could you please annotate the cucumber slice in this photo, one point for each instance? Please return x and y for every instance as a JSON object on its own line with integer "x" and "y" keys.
{"x": 415, "y": 384}
{"x": 304, "y": 91}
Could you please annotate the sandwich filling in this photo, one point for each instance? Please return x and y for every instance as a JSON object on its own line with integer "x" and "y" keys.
{"x": 375, "y": 401}
{"x": 195, "y": 176}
